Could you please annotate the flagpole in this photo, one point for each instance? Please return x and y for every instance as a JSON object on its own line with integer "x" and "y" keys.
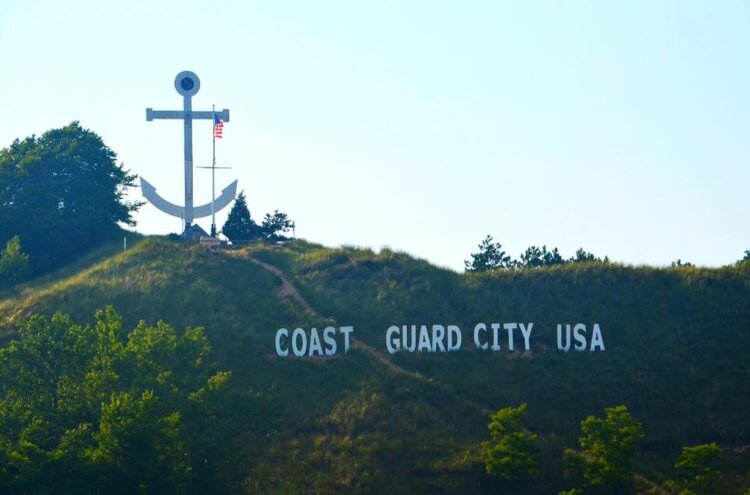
{"x": 213, "y": 175}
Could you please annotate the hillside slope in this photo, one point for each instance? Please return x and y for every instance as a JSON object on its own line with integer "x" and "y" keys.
{"x": 412, "y": 422}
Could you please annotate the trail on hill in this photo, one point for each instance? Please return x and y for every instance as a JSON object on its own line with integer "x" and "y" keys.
{"x": 289, "y": 290}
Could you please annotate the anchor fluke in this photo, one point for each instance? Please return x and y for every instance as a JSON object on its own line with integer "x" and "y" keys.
{"x": 226, "y": 197}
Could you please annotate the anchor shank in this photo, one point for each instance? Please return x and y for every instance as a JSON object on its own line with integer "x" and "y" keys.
{"x": 188, "y": 106}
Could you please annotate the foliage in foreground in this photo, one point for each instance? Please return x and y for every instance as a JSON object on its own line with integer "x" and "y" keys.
{"x": 510, "y": 452}
{"x": 698, "y": 470}
{"x": 608, "y": 448}
{"x": 96, "y": 409}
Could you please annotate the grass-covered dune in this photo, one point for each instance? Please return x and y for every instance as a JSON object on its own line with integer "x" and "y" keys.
{"x": 676, "y": 355}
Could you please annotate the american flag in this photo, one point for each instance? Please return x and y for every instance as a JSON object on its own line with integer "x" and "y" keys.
{"x": 218, "y": 127}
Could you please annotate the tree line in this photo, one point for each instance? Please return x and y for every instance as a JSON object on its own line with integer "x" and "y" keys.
{"x": 492, "y": 256}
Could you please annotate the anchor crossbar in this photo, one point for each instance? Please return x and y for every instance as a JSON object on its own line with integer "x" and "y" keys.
{"x": 152, "y": 114}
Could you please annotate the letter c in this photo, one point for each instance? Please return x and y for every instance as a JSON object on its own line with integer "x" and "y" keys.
{"x": 279, "y": 351}
{"x": 481, "y": 327}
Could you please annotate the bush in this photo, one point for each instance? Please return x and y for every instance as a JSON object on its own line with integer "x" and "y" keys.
{"x": 14, "y": 264}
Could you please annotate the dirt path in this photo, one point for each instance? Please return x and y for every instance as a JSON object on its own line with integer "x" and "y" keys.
{"x": 289, "y": 290}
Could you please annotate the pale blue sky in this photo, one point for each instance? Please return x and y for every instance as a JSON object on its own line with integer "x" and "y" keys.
{"x": 621, "y": 127}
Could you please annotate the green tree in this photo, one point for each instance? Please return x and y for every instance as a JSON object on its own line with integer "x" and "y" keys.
{"x": 275, "y": 225}
{"x": 698, "y": 470}
{"x": 62, "y": 193}
{"x": 608, "y": 447}
{"x": 490, "y": 257}
{"x": 239, "y": 226}
{"x": 535, "y": 257}
{"x": 583, "y": 256}
{"x": 140, "y": 446}
{"x": 14, "y": 264}
{"x": 679, "y": 263}
{"x": 511, "y": 452}
{"x": 101, "y": 410}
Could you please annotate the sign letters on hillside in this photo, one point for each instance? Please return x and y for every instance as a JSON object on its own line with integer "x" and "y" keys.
{"x": 436, "y": 338}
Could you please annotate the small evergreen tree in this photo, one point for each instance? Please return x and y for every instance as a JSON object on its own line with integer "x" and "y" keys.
{"x": 583, "y": 256}
{"x": 534, "y": 257}
{"x": 239, "y": 226}
{"x": 679, "y": 263}
{"x": 490, "y": 257}
{"x": 510, "y": 452}
{"x": 14, "y": 264}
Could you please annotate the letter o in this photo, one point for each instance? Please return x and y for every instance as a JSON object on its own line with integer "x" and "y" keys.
{"x": 295, "y": 349}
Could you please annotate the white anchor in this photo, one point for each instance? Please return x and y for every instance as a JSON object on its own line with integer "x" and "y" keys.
{"x": 187, "y": 84}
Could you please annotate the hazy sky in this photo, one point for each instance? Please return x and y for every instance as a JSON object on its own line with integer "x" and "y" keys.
{"x": 621, "y": 127}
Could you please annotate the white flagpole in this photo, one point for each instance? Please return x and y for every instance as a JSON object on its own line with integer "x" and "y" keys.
{"x": 213, "y": 174}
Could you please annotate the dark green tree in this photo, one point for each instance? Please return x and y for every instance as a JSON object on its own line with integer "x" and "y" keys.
{"x": 490, "y": 257}
{"x": 583, "y": 256}
{"x": 608, "y": 447}
{"x": 511, "y": 452}
{"x": 275, "y": 225}
{"x": 239, "y": 226}
{"x": 14, "y": 264}
{"x": 535, "y": 257}
{"x": 62, "y": 193}
{"x": 680, "y": 263}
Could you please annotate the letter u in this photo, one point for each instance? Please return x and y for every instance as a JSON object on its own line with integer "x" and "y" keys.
{"x": 566, "y": 348}
{"x": 410, "y": 346}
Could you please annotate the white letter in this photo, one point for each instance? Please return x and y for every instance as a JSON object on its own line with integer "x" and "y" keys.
{"x": 330, "y": 341}
{"x": 567, "y": 338}
{"x": 389, "y": 342}
{"x": 279, "y": 351}
{"x": 438, "y": 334}
{"x": 424, "y": 339}
{"x": 510, "y": 327}
{"x": 580, "y": 339}
{"x": 454, "y": 344}
{"x": 596, "y": 338}
{"x": 346, "y": 331}
{"x": 495, "y": 337}
{"x": 526, "y": 335}
{"x": 480, "y": 327}
{"x": 315, "y": 342}
{"x": 404, "y": 334}
{"x": 299, "y": 351}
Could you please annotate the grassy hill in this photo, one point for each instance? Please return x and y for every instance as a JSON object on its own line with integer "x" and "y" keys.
{"x": 676, "y": 355}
